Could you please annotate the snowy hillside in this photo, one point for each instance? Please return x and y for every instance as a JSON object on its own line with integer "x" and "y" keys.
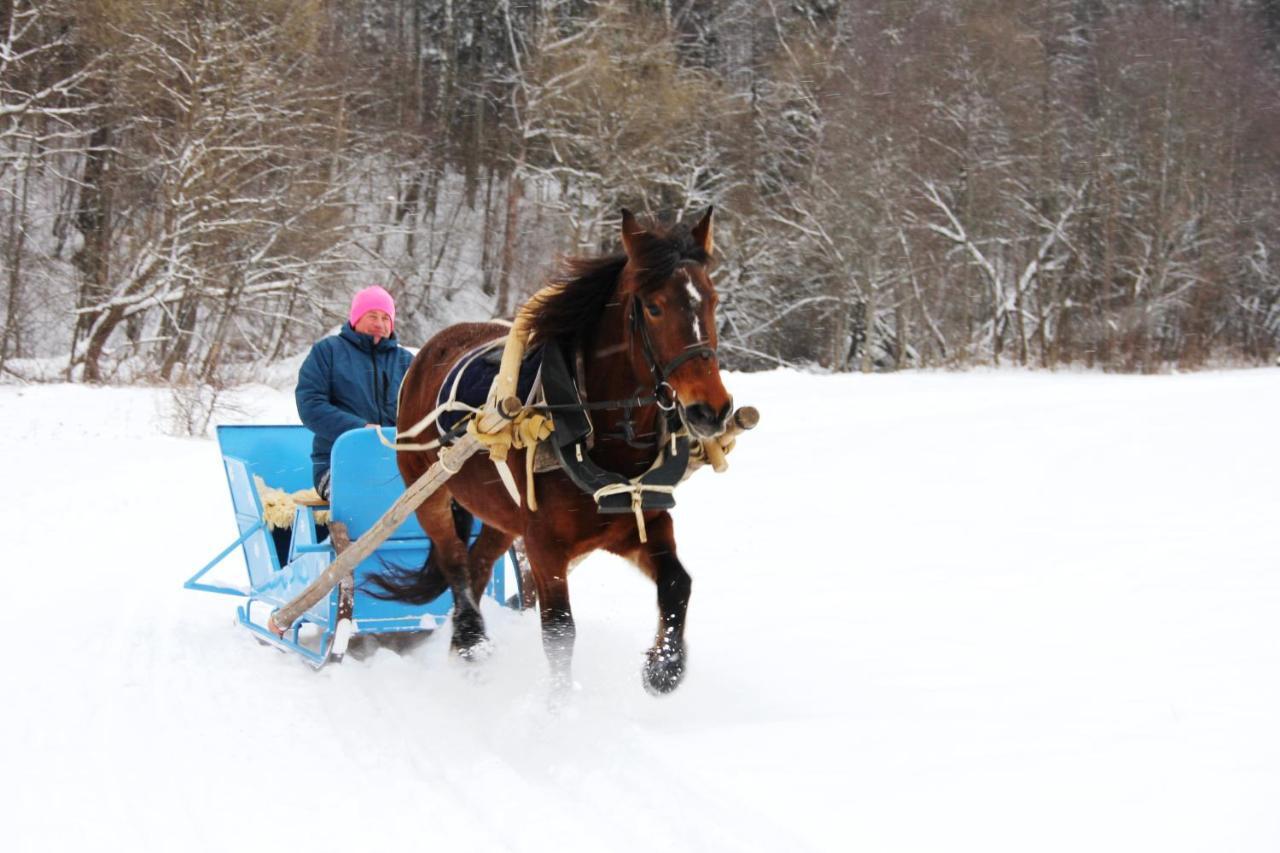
{"x": 931, "y": 612}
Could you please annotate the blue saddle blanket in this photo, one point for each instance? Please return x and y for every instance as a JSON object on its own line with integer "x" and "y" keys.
{"x": 478, "y": 368}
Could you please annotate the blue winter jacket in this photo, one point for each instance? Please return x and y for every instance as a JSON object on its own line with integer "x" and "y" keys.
{"x": 345, "y": 383}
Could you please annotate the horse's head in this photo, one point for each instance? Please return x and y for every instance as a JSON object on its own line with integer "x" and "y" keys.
{"x": 670, "y": 305}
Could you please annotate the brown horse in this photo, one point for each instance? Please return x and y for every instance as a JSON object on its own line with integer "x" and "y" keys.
{"x": 644, "y": 323}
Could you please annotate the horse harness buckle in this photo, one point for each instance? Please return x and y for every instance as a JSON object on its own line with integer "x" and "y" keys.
{"x": 665, "y": 396}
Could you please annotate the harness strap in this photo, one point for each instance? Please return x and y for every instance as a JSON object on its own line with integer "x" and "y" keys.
{"x": 451, "y": 404}
{"x": 654, "y": 489}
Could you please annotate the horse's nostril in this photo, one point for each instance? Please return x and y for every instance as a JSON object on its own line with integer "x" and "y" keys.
{"x": 701, "y": 414}
{"x": 723, "y": 418}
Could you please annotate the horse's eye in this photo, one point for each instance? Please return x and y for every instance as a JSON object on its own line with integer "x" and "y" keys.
{"x": 653, "y": 309}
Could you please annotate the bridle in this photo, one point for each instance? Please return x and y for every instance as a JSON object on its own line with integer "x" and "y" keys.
{"x": 664, "y": 394}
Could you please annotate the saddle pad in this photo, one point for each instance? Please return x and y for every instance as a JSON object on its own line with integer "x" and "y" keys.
{"x": 478, "y": 368}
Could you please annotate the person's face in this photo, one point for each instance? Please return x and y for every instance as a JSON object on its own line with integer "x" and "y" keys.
{"x": 374, "y": 323}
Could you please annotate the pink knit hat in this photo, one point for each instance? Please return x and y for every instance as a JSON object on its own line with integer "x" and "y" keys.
{"x": 372, "y": 299}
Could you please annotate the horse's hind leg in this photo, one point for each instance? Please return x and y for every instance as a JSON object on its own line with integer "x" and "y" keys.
{"x": 550, "y": 572}
{"x": 665, "y": 662}
{"x": 490, "y": 544}
{"x": 436, "y": 517}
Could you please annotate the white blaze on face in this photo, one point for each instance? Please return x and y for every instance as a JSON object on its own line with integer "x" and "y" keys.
{"x": 695, "y": 302}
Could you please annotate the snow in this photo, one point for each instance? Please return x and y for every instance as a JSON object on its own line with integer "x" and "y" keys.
{"x": 995, "y": 611}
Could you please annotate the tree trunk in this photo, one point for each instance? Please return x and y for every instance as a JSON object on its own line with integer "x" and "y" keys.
{"x": 93, "y": 219}
{"x": 282, "y": 335}
{"x": 1019, "y": 328}
{"x": 184, "y": 327}
{"x": 899, "y": 328}
{"x": 867, "y": 364}
{"x": 97, "y": 343}
{"x": 11, "y": 344}
{"x": 515, "y": 191}
{"x": 217, "y": 342}
{"x": 486, "y": 239}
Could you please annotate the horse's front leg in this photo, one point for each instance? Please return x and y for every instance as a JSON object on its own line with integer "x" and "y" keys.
{"x": 550, "y": 569}
{"x": 665, "y": 662}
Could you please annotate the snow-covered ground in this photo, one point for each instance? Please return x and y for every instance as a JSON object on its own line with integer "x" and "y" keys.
{"x": 931, "y": 612}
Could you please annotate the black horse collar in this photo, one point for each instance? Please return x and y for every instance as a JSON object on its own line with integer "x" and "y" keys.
{"x": 612, "y": 492}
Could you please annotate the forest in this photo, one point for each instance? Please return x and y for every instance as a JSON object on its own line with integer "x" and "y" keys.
{"x": 191, "y": 189}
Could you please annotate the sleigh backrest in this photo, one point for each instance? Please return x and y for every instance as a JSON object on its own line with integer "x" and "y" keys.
{"x": 366, "y": 482}
{"x": 281, "y": 456}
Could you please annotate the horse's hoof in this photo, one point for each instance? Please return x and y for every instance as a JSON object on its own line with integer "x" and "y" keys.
{"x": 561, "y": 695}
{"x": 663, "y": 670}
{"x": 470, "y": 642}
{"x": 474, "y": 652}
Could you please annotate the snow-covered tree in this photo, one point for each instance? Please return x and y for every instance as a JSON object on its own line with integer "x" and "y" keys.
{"x": 222, "y": 176}
{"x": 42, "y": 106}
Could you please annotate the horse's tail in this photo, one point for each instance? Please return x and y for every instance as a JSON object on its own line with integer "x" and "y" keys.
{"x": 418, "y": 586}
{"x": 414, "y": 586}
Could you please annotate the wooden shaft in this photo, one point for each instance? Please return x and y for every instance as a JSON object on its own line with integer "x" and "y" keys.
{"x": 346, "y": 587}
{"x": 504, "y": 382}
{"x": 715, "y": 454}
{"x": 450, "y": 461}
{"x": 743, "y": 419}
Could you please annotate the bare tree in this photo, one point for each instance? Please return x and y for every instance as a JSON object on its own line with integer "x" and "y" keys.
{"x": 904, "y": 182}
{"x": 230, "y": 176}
{"x": 41, "y": 104}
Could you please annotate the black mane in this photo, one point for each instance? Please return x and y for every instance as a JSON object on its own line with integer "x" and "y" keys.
{"x": 588, "y": 285}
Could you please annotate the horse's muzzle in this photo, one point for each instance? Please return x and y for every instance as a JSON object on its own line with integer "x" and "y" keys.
{"x": 706, "y": 422}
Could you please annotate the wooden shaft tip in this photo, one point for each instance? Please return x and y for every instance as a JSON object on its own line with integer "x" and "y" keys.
{"x": 509, "y": 407}
{"x": 747, "y": 417}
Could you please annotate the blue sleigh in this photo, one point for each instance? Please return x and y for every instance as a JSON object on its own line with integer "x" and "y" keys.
{"x": 365, "y": 482}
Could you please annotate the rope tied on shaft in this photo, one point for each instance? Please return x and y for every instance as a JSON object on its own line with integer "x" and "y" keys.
{"x": 523, "y": 432}
{"x": 501, "y": 422}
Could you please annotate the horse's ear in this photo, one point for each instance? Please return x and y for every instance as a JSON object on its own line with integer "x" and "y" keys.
{"x": 702, "y": 232}
{"x": 631, "y": 233}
